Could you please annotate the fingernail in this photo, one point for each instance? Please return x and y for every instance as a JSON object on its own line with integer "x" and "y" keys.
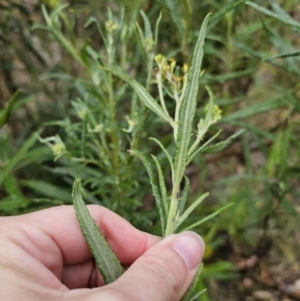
{"x": 190, "y": 247}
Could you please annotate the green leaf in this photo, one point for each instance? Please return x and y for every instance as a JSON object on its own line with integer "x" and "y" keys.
{"x": 278, "y": 156}
{"x": 154, "y": 186}
{"x": 11, "y": 186}
{"x": 192, "y": 287}
{"x": 221, "y": 145}
{"x": 289, "y": 98}
{"x": 166, "y": 153}
{"x": 195, "y": 297}
{"x": 187, "y": 110}
{"x": 207, "y": 218}
{"x": 8, "y": 109}
{"x": 12, "y": 205}
{"x": 207, "y": 143}
{"x": 157, "y": 28}
{"x": 189, "y": 210}
{"x": 140, "y": 39}
{"x": 277, "y": 9}
{"x": 174, "y": 9}
{"x": 148, "y": 31}
{"x": 272, "y": 103}
{"x": 47, "y": 189}
{"x": 203, "y": 125}
{"x": 107, "y": 262}
{"x": 284, "y": 55}
{"x": 57, "y": 10}
{"x": 185, "y": 121}
{"x": 224, "y": 9}
{"x": 262, "y": 57}
{"x": 280, "y": 17}
{"x": 142, "y": 93}
{"x": 162, "y": 184}
{"x": 8, "y": 168}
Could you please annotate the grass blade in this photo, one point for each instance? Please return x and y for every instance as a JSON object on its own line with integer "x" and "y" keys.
{"x": 284, "y": 55}
{"x": 207, "y": 218}
{"x": 20, "y": 155}
{"x": 175, "y": 11}
{"x": 274, "y": 102}
{"x": 107, "y": 262}
{"x": 224, "y": 9}
{"x": 154, "y": 186}
{"x": 48, "y": 190}
{"x": 284, "y": 19}
{"x": 8, "y": 108}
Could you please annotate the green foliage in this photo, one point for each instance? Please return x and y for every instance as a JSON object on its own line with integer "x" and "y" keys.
{"x": 7, "y": 110}
{"x": 87, "y": 118}
{"x": 106, "y": 260}
{"x": 171, "y": 216}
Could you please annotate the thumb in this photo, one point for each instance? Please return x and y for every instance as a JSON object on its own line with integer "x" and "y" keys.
{"x": 164, "y": 272}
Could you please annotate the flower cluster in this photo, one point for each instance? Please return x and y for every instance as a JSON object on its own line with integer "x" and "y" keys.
{"x": 110, "y": 26}
{"x": 168, "y": 71}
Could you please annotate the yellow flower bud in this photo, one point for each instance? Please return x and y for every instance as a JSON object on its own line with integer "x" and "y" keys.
{"x": 185, "y": 68}
{"x": 159, "y": 59}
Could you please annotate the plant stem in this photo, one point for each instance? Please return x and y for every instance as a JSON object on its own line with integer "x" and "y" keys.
{"x": 172, "y": 213}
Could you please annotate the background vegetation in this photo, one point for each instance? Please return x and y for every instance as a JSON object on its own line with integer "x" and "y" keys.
{"x": 72, "y": 119}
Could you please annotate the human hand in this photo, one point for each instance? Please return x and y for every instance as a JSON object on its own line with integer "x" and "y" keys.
{"x": 44, "y": 256}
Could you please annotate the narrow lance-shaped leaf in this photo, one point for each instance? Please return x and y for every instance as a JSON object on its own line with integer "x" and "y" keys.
{"x": 272, "y": 103}
{"x": 107, "y": 262}
{"x": 189, "y": 210}
{"x": 207, "y": 218}
{"x": 154, "y": 186}
{"x": 284, "y": 19}
{"x": 8, "y": 108}
{"x": 148, "y": 31}
{"x": 207, "y": 143}
{"x": 162, "y": 185}
{"x": 224, "y": 9}
{"x": 192, "y": 287}
{"x": 195, "y": 297}
{"x": 140, "y": 38}
{"x": 19, "y": 156}
{"x": 187, "y": 110}
{"x": 203, "y": 125}
{"x": 277, "y": 8}
{"x": 166, "y": 153}
{"x": 175, "y": 12}
{"x": 221, "y": 145}
{"x": 142, "y": 93}
{"x": 284, "y": 55}
{"x": 156, "y": 28}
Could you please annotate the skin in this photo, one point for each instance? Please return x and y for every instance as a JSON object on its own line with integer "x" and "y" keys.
{"x": 44, "y": 256}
